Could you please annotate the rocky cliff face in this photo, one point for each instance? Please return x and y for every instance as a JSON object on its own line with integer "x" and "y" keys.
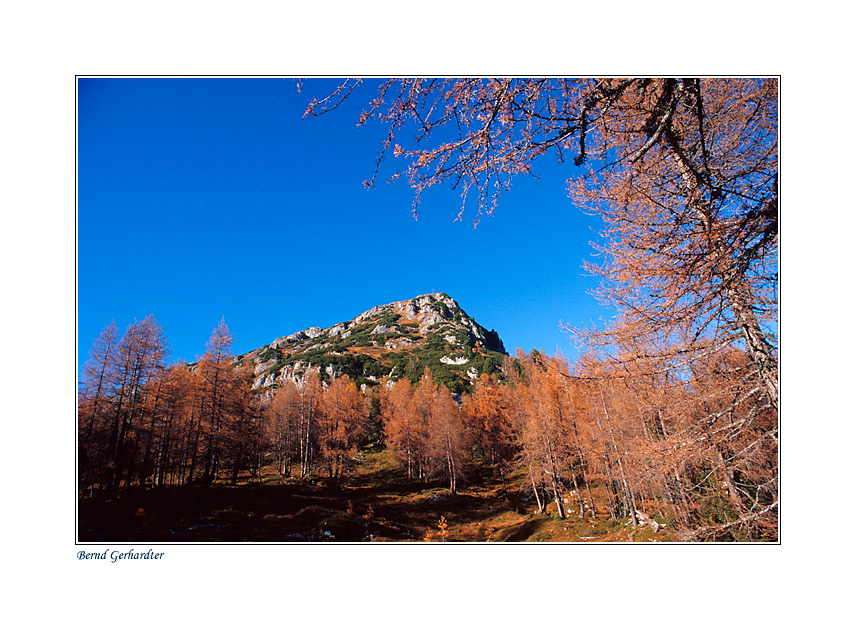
{"x": 385, "y": 344}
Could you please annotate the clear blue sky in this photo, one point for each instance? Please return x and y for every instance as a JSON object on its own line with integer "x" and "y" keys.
{"x": 207, "y": 198}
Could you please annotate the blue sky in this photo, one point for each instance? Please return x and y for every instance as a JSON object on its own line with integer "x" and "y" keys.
{"x": 207, "y": 198}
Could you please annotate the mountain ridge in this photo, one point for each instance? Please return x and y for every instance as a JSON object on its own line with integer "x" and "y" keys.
{"x": 387, "y": 342}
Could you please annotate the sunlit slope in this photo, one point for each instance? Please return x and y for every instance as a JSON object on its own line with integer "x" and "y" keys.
{"x": 386, "y": 343}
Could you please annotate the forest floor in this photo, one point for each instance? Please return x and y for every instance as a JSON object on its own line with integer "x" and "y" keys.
{"x": 374, "y": 503}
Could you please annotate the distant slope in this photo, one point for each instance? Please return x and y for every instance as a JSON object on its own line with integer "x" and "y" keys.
{"x": 386, "y": 343}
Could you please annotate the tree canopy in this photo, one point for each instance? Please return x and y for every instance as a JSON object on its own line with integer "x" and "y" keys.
{"x": 682, "y": 171}
{"x": 683, "y": 174}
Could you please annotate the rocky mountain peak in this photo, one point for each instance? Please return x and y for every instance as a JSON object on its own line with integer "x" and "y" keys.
{"x": 386, "y": 342}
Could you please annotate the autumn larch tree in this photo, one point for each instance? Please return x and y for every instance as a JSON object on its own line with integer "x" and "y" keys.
{"x": 691, "y": 214}
{"x": 683, "y": 173}
{"x": 310, "y": 399}
{"x": 448, "y": 437}
{"x": 141, "y": 355}
{"x": 117, "y": 400}
{"x": 175, "y": 402}
{"x": 283, "y": 419}
{"x": 342, "y": 422}
{"x": 243, "y": 436}
{"x": 683, "y": 170}
{"x": 544, "y": 432}
{"x": 403, "y": 428}
{"x": 217, "y": 379}
{"x": 423, "y": 401}
{"x": 93, "y": 405}
{"x": 487, "y": 412}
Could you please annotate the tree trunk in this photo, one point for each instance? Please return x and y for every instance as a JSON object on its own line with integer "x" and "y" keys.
{"x": 630, "y": 502}
{"x": 728, "y": 477}
{"x": 744, "y": 321}
{"x": 541, "y": 507}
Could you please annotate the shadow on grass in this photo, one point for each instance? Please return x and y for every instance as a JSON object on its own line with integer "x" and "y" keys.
{"x": 519, "y": 532}
{"x": 377, "y": 502}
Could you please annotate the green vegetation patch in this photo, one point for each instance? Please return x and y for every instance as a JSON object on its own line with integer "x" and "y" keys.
{"x": 268, "y": 354}
{"x": 388, "y": 319}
